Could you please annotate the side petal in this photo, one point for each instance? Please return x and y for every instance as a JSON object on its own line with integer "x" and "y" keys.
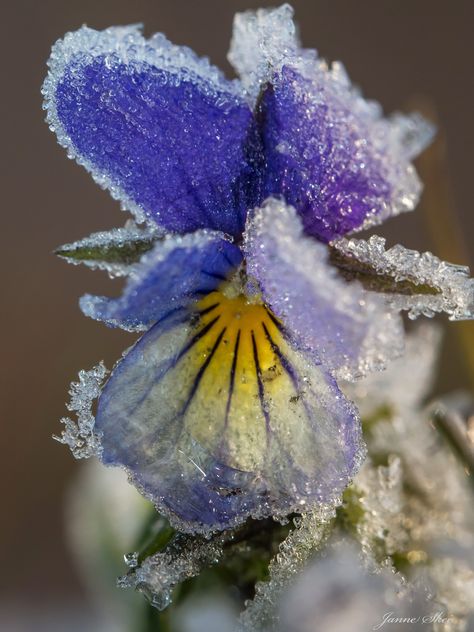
{"x": 330, "y": 153}
{"x": 349, "y": 329}
{"x": 163, "y": 130}
{"x": 177, "y": 271}
{"x": 217, "y": 418}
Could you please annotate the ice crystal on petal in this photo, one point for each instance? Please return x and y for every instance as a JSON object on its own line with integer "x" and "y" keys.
{"x": 117, "y": 239}
{"x": 261, "y": 42}
{"x": 308, "y": 536}
{"x": 455, "y": 289}
{"x": 80, "y": 435}
{"x": 347, "y": 328}
{"x": 158, "y": 574}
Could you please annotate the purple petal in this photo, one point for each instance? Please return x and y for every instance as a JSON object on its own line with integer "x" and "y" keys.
{"x": 349, "y": 329}
{"x": 179, "y": 270}
{"x": 157, "y": 126}
{"x": 216, "y": 421}
{"x": 329, "y": 152}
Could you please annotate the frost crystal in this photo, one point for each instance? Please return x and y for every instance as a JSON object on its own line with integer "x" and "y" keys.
{"x": 114, "y": 251}
{"x": 160, "y": 573}
{"x": 262, "y": 41}
{"x": 308, "y": 536}
{"x": 454, "y": 289}
{"x": 79, "y": 435}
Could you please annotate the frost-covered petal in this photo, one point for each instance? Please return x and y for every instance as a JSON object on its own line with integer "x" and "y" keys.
{"x": 444, "y": 287}
{"x": 216, "y": 418}
{"x": 329, "y": 152}
{"x": 163, "y": 130}
{"x": 177, "y": 271}
{"x": 347, "y": 328}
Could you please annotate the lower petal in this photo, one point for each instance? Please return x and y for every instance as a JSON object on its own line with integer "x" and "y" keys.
{"x": 217, "y": 418}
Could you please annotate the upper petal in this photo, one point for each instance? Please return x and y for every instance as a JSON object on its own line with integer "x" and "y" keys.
{"x": 329, "y": 152}
{"x": 157, "y": 126}
{"x": 349, "y": 329}
{"x": 177, "y": 271}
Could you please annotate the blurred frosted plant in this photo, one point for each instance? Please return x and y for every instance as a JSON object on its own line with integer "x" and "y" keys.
{"x": 105, "y": 517}
{"x": 255, "y": 302}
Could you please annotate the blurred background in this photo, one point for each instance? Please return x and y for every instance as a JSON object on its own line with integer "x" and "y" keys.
{"x": 401, "y": 53}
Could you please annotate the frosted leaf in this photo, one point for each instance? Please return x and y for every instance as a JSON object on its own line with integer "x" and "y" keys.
{"x": 308, "y": 536}
{"x": 115, "y": 251}
{"x": 184, "y": 558}
{"x": 454, "y": 287}
{"x": 347, "y": 328}
{"x": 406, "y": 381}
{"x": 80, "y": 435}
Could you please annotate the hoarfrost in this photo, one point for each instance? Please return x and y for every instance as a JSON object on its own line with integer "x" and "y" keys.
{"x": 262, "y": 40}
{"x": 79, "y": 435}
{"x": 308, "y": 536}
{"x": 160, "y": 573}
{"x": 455, "y": 288}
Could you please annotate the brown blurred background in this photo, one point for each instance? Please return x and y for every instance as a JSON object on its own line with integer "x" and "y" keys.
{"x": 396, "y": 50}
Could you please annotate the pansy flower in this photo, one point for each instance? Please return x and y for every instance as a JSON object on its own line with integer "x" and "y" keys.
{"x": 228, "y": 406}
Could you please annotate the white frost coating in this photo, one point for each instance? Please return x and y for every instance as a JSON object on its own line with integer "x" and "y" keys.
{"x": 261, "y": 42}
{"x": 127, "y": 44}
{"x": 137, "y": 274}
{"x": 456, "y": 288}
{"x": 406, "y": 381}
{"x": 160, "y": 573}
{"x": 308, "y": 536}
{"x": 79, "y": 435}
{"x": 350, "y": 329}
{"x": 117, "y": 237}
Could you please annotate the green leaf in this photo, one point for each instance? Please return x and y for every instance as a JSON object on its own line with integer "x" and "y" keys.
{"x": 126, "y": 253}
